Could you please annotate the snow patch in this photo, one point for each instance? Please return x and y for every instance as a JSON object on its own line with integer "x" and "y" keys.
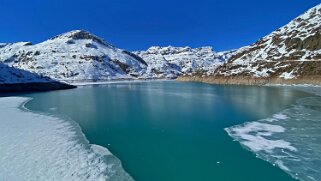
{"x": 280, "y": 116}
{"x": 287, "y": 75}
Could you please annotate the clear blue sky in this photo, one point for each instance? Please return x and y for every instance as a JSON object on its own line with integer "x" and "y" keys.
{"x": 139, "y": 24}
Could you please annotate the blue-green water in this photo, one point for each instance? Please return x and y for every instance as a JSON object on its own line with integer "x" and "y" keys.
{"x": 164, "y": 131}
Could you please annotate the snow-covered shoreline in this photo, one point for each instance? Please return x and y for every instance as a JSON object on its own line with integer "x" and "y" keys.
{"x": 37, "y": 146}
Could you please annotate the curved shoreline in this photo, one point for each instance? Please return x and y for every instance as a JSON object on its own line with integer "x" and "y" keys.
{"x": 103, "y": 151}
{"x": 23, "y": 107}
{"x": 74, "y": 158}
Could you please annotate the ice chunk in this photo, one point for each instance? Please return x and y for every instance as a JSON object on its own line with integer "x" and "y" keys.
{"x": 290, "y": 139}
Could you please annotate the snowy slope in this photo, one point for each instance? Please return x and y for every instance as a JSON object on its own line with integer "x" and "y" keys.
{"x": 10, "y": 75}
{"x": 281, "y": 53}
{"x": 17, "y": 80}
{"x": 74, "y": 56}
{"x": 7, "y": 50}
{"x": 171, "y": 61}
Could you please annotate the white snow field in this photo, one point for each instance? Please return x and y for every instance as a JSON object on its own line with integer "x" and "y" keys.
{"x": 35, "y": 146}
{"x": 290, "y": 139}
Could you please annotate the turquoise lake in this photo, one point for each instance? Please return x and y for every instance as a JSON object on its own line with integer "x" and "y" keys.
{"x": 163, "y": 131}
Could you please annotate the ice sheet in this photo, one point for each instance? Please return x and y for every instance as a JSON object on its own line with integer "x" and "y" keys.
{"x": 35, "y": 146}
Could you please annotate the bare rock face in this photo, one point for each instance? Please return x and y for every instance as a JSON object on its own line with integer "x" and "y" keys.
{"x": 81, "y": 35}
{"x": 291, "y": 52}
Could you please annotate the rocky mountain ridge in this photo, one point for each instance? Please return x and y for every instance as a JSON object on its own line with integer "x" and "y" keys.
{"x": 74, "y": 56}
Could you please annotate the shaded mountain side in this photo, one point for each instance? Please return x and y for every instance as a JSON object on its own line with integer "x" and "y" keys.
{"x": 17, "y": 80}
{"x": 34, "y": 87}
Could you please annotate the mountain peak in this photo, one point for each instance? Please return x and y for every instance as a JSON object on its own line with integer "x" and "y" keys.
{"x": 81, "y": 35}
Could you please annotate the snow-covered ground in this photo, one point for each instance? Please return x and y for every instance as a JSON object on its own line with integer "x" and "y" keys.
{"x": 36, "y": 146}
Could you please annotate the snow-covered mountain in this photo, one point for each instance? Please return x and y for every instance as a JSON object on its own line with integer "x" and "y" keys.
{"x": 81, "y": 56}
{"x": 171, "y": 62}
{"x": 74, "y": 56}
{"x": 291, "y": 52}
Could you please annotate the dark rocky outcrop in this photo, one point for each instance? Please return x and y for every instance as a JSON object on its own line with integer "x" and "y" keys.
{"x": 33, "y": 87}
{"x": 82, "y": 34}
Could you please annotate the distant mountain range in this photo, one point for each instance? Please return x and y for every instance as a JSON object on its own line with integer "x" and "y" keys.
{"x": 171, "y": 62}
{"x": 290, "y": 54}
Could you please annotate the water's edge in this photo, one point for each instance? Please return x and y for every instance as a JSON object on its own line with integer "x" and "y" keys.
{"x": 97, "y": 149}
